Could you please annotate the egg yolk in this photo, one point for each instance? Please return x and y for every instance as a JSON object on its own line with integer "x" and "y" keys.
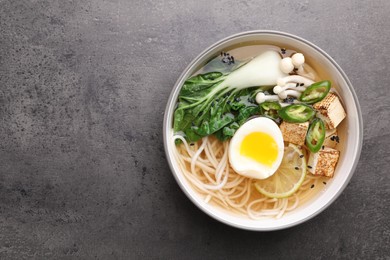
{"x": 260, "y": 147}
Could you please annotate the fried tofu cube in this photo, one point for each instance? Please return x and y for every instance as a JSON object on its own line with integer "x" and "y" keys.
{"x": 331, "y": 138}
{"x": 294, "y": 133}
{"x": 323, "y": 162}
{"x": 330, "y": 110}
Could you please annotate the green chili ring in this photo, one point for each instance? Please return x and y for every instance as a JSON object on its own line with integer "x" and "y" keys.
{"x": 315, "y": 92}
{"x": 270, "y": 109}
{"x": 315, "y": 135}
{"x": 296, "y": 113}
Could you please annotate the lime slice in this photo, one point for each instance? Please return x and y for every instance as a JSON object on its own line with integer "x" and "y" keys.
{"x": 288, "y": 177}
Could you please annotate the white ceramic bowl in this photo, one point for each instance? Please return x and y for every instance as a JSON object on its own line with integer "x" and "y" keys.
{"x": 350, "y": 130}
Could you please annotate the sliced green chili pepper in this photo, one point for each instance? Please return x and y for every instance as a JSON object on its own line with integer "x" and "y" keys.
{"x": 270, "y": 108}
{"x": 315, "y": 92}
{"x": 296, "y": 113}
{"x": 315, "y": 135}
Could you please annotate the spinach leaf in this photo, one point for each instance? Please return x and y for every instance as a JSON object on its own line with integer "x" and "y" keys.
{"x": 203, "y": 111}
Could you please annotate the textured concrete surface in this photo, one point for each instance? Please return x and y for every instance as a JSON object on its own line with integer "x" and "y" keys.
{"x": 83, "y": 86}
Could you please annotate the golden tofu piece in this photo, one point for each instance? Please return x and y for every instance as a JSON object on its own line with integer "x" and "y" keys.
{"x": 331, "y": 138}
{"x": 323, "y": 162}
{"x": 330, "y": 110}
{"x": 294, "y": 132}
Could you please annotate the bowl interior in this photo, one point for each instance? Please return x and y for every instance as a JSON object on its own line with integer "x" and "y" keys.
{"x": 350, "y": 130}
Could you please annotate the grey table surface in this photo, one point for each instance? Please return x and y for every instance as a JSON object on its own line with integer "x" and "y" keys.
{"x": 83, "y": 87}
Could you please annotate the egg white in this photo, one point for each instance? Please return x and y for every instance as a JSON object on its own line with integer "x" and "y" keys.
{"x": 246, "y": 166}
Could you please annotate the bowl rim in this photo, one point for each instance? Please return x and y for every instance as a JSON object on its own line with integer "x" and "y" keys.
{"x": 194, "y": 62}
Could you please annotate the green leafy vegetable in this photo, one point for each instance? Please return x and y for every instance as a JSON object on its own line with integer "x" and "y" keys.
{"x": 222, "y": 116}
{"x": 216, "y": 103}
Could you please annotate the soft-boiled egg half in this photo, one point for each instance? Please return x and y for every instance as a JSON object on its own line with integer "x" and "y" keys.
{"x": 256, "y": 149}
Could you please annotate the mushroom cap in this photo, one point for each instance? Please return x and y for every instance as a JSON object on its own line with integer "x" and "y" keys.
{"x": 286, "y": 65}
{"x": 298, "y": 59}
{"x": 277, "y": 89}
{"x": 260, "y": 97}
